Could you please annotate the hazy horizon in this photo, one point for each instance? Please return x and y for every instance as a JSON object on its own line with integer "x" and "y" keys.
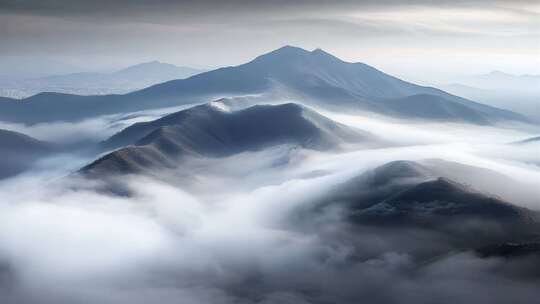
{"x": 445, "y": 39}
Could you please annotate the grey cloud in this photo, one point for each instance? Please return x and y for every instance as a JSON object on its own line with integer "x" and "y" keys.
{"x": 102, "y": 6}
{"x": 127, "y": 32}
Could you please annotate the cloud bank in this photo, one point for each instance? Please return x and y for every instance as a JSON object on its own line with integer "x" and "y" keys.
{"x": 215, "y": 240}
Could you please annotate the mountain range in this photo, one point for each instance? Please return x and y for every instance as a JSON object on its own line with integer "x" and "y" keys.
{"x": 18, "y": 151}
{"x": 314, "y": 78}
{"x": 123, "y": 81}
{"x": 214, "y": 130}
{"x": 426, "y": 195}
{"x": 519, "y": 93}
{"x": 497, "y": 80}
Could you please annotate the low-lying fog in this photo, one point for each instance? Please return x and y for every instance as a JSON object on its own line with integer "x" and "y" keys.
{"x": 225, "y": 234}
{"x": 88, "y": 131}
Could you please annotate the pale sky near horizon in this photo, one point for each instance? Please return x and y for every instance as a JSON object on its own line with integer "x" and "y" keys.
{"x": 415, "y": 38}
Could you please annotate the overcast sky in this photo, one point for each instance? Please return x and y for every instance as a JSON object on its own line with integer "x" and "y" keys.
{"x": 410, "y": 38}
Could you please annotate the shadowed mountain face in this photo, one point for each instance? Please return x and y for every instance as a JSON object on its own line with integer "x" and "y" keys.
{"x": 418, "y": 195}
{"x": 211, "y": 130}
{"x": 195, "y": 115}
{"x": 19, "y": 151}
{"x": 430, "y": 201}
{"x": 469, "y": 218}
{"x": 313, "y": 77}
{"x": 384, "y": 181}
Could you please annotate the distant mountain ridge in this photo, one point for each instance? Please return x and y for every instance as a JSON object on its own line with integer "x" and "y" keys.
{"x": 315, "y": 77}
{"x": 91, "y": 83}
{"x": 518, "y": 93}
{"x": 14, "y": 67}
{"x": 16, "y": 142}
{"x": 498, "y": 79}
{"x": 18, "y": 151}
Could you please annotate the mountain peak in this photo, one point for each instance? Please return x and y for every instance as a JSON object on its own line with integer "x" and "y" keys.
{"x": 210, "y": 131}
{"x": 288, "y": 60}
{"x": 294, "y": 53}
{"x": 283, "y": 53}
{"x": 319, "y": 51}
{"x": 400, "y": 169}
{"x": 148, "y": 64}
{"x": 291, "y": 48}
{"x": 315, "y": 77}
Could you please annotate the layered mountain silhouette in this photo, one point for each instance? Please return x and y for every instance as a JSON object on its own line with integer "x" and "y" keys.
{"x": 213, "y": 130}
{"x": 125, "y": 80}
{"x": 502, "y": 80}
{"x": 420, "y": 195}
{"x": 311, "y": 77}
{"x": 516, "y": 98}
{"x": 19, "y": 151}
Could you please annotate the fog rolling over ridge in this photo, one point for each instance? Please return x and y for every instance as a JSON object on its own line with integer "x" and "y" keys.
{"x": 296, "y": 177}
{"x": 19, "y": 151}
{"x": 211, "y": 130}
